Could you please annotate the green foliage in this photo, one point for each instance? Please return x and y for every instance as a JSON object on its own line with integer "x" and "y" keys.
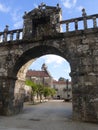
{"x": 46, "y": 91}
{"x": 34, "y": 89}
{"x": 40, "y": 89}
{"x": 29, "y": 82}
{"x": 49, "y": 91}
{"x": 61, "y": 79}
{"x": 53, "y": 91}
{"x": 32, "y": 85}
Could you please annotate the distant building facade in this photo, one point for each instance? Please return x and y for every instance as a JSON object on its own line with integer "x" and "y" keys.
{"x": 38, "y": 77}
{"x": 41, "y": 76}
{"x": 63, "y": 89}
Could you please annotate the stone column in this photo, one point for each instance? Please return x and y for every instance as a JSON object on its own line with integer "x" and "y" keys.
{"x": 76, "y": 24}
{"x": 7, "y": 87}
{"x": 84, "y": 91}
{"x": 67, "y": 27}
{"x": 94, "y": 22}
{"x": 84, "y": 18}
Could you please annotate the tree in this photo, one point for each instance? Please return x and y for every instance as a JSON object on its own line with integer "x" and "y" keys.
{"x": 53, "y": 92}
{"x": 46, "y": 92}
{"x": 34, "y": 89}
{"x": 49, "y": 91}
{"x": 61, "y": 79}
{"x": 40, "y": 90}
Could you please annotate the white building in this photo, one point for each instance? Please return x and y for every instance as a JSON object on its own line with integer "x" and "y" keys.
{"x": 63, "y": 89}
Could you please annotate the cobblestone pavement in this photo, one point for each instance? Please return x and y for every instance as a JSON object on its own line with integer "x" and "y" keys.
{"x": 52, "y": 115}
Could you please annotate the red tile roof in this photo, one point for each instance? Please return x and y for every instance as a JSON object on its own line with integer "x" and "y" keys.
{"x": 60, "y": 82}
{"x": 34, "y": 73}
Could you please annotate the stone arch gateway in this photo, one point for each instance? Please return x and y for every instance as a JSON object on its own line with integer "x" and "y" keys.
{"x": 79, "y": 48}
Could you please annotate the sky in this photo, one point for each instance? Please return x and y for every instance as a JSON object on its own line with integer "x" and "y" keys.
{"x": 12, "y": 11}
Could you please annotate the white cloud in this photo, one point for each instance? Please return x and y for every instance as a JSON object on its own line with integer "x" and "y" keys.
{"x": 69, "y": 3}
{"x": 53, "y": 59}
{"x": 35, "y": 5}
{"x": 18, "y": 24}
{"x": 80, "y": 8}
{"x": 17, "y": 18}
{"x": 67, "y": 70}
{"x": 4, "y": 8}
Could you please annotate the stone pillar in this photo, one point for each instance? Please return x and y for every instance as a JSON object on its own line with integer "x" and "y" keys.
{"x": 67, "y": 27}
{"x": 7, "y": 92}
{"x": 11, "y": 36}
{"x": 84, "y": 95}
{"x": 85, "y": 22}
{"x": 84, "y": 18}
{"x": 19, "y": 95}
{"x": 17, "y": 35}
{"x": 76, "y": 24}
{"x": 94, "y": 22}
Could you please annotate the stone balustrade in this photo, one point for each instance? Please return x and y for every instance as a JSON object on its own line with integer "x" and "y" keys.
{"x": 11, "y": 35}
{"x": 80, "y": 23}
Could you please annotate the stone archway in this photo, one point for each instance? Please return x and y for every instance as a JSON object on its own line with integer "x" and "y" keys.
{"x": 20, "y": 82}
{"x": 22, "y": 71}
{"x": 83, "y": 90}
{"x": 80, "y": 52}
{"x": 79, "y": 47}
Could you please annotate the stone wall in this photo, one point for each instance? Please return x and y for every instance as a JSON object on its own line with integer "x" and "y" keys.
{"x": 78, "y": 47}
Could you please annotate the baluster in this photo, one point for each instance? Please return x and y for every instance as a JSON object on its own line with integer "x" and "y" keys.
{"x": 76, "y": 24}
{"x": 84, "y": 13}
{"x": 84, "y": 19}
{"x": 0, "y": 38}
{"x": 5, "y": 37}
{"x": 17, "y": 35}
{"x": 11, "y": 36}
{"x": 94, "y": 22}
{"x": 85, "y": 22}
{"x": 67, "y": 27}
{"x": 5, "y": 33}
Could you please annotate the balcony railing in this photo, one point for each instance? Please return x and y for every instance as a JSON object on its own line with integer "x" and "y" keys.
{"x": 75, "y": 24}
{"x": 11, "y": 35}
{"x": 80, "y": 23}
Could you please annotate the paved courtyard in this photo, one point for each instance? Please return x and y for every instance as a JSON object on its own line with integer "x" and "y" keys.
{"x": 52, "y": 115}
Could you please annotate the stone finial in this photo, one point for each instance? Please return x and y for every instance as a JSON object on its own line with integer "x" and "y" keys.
{"x": 84, "y": 12}
{"x": 44, "y": 66}
{"x": 25, "y": 13}
{"x": 58, "y": 6}
{"x": 6, "y": 28}
{"x": 42, "y": 5}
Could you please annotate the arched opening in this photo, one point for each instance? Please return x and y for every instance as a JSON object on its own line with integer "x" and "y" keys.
{"x": 29, "y": 57}
{"x": 57, "y": 68}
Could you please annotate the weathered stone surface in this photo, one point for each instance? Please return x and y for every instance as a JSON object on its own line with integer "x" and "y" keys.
{"x": 79, "y": 48}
